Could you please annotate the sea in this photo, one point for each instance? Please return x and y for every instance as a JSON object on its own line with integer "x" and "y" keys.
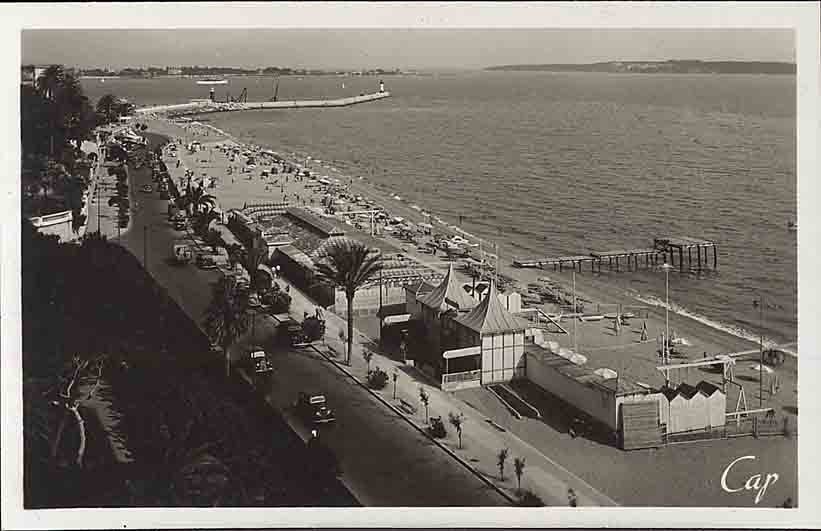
{"x": 553, "y": 164}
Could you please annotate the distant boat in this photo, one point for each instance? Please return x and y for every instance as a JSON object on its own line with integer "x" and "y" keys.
{"x": 212, "y": 82}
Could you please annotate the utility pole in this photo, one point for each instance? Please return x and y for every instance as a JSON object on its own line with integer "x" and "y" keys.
{"x": 145, "y": 247}
{"x": 576, "y": 317}
{"x": 761, "y": 351}
{"x": 98, "y": 207}
{"x": 666, "y": 346}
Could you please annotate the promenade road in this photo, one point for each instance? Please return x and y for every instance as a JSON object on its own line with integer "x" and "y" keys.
{"x": 385, "y": 461}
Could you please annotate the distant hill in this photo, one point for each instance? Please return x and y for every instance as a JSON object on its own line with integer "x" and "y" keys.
{"x": 660, "y": 67}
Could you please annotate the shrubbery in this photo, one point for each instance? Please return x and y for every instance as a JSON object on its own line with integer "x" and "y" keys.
{"x": 377, "y": 378}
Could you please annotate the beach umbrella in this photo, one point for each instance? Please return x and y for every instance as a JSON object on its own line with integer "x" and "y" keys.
{"x": 553, "y": 346}
{"x": 578, "y": 359}
{"x": 606, "y": 374}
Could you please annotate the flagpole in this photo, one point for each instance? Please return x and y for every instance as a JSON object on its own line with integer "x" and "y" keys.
{"x": 575, "y": 346}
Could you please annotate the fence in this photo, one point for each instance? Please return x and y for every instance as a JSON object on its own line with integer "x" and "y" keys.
{"x": 461, "y": 380}
{"x": 745, "y": 427}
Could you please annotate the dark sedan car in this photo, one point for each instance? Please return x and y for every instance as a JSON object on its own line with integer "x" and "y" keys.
{"x": 312, "y": 407}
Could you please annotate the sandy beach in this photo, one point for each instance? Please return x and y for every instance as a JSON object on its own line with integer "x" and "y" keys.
{"x": 623, "y": 352}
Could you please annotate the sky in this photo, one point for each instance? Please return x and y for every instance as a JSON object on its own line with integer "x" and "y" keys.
{"x": 411, "y": 48}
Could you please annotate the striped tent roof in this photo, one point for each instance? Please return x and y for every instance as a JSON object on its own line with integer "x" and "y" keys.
{"x": 446, "y": 294}
{"x": 490, "y": 317}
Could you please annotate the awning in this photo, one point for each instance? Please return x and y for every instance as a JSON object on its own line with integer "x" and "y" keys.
{"x": 395, "y": 319}
{"x": 462, "y": 352}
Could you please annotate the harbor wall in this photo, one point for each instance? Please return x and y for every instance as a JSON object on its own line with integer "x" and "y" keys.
{"x": 205, "y": 107}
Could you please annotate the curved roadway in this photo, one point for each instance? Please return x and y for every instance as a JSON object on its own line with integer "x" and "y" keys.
{"x": 385, "y": 461}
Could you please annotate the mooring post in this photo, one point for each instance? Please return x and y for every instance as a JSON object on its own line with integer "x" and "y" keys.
{"x": 698, "y": 250}
{"x": 715, "y": 257}
{"x": 681, "y": 258}
{"x": 690, "y": 258}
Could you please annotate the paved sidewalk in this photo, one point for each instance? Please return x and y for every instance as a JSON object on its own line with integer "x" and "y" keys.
{"x": 481, "y": 441}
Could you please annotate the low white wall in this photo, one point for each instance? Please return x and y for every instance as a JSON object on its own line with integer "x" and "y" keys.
{"x": 367, "y": 299}
{"x": 599, "y": 403}
{"x": 58, "y": 224}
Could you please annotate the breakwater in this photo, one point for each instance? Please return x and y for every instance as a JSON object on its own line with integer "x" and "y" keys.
{"x": 207, "y": 106}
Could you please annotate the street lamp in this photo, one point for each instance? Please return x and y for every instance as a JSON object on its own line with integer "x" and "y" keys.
{"x": 666, "y": 346}
{"x": 395, "y": 377}
{"x": 760, "y": 303}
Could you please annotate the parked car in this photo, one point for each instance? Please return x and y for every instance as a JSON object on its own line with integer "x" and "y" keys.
{"x": 313, "y": 408}
{"x": 206, "y": 261}
{"x": 147, "y": 188}
{"x": 260, "y": 361}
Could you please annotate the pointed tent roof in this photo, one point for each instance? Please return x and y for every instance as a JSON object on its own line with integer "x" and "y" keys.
{"x": 448, "y": 289}
{"x": 490, "y": 317}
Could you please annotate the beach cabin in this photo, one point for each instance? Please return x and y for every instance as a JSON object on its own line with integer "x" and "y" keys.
{"x": 691, "y": 408}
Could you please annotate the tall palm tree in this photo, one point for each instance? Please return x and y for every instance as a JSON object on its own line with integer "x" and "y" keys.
{"x": 252, "y": 258}
{"x": 106, "y": 105}
{"x": 226, "y": 318}
{"x": 50, "y": 80}
{"x": 347, "y": 264}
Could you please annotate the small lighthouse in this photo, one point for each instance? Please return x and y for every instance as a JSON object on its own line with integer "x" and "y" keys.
{"x": 381, "y": 86}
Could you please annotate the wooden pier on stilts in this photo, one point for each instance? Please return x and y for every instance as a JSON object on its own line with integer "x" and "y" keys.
{"x": 672, "y": 246}
{"x": 558, "y": 263}
{"x": 633, "y": 256}
{"x": 664, "y": 249}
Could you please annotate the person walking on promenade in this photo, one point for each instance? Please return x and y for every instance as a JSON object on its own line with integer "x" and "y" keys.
{"x": 572, "y": 501}
{"x": 644, "y": 331}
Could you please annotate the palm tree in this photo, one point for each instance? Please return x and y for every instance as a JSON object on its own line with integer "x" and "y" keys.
{"x": 50, "y": 80}
{"x": 106, "y": 105}
{"x": 252, "y": 258}
{"x": 501, "y": 459}
{"x": 347, "y": 264}
{"x": 226, "y": 318}
{"x": 519, "y": 468}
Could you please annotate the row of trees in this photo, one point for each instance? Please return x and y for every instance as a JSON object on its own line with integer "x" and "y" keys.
{"x": 55, "y": 113}
{"x": 56, "y": 117}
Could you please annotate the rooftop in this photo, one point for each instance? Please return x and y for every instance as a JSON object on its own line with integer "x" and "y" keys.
{"x": 448, "y": 294}
{"x": 490, "y": 317}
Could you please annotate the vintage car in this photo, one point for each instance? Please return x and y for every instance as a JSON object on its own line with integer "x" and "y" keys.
{"x": 206, "y": 261}
{"x": 313, "y": 408}
{"x": 259, "y": 361}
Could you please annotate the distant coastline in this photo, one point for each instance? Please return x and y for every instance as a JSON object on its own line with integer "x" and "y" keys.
{"x": 659, "y": 67}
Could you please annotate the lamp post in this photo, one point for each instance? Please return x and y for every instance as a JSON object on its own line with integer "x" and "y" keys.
{"x": 395, "y": 377}
{"x": 666, "y": 346}
{"x": 761, "y": 351}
